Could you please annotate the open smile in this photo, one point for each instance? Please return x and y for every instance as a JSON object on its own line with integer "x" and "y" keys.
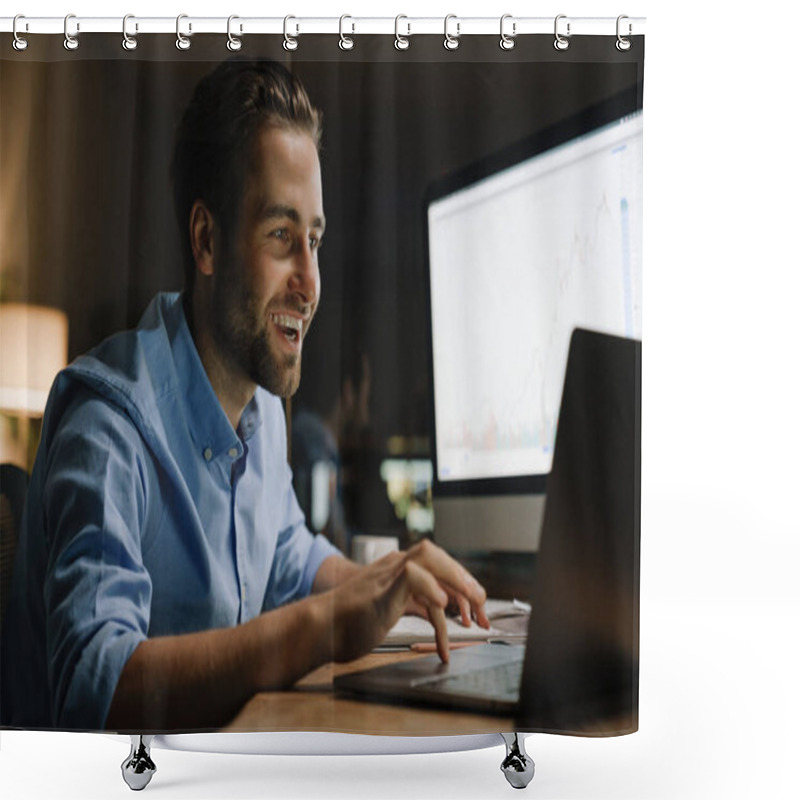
{"x": 289, "y": 327}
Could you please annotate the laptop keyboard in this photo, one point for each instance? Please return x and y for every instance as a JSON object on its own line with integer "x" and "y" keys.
{"x": 501, "y": 681}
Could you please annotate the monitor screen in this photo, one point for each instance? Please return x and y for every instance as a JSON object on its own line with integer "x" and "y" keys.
{"x": 517, "y": 259}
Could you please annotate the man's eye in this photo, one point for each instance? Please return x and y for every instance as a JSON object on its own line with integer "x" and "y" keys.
{"x": 315, "y": 242}
{"x": 282, "y": 235}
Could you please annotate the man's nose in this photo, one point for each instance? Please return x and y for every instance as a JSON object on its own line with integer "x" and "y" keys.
{"x": 305, "y": 275}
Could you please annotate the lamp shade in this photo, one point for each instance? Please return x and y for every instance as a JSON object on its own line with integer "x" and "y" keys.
{"x": 33, "y": 348}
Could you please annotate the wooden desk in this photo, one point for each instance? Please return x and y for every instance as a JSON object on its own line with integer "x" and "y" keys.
{"x": 312, "y": 706}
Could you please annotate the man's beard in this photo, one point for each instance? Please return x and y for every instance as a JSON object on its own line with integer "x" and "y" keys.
{"x": 242, "y": 332}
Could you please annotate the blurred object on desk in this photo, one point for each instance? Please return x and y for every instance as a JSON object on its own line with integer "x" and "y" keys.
{"x": 507, "y": 617}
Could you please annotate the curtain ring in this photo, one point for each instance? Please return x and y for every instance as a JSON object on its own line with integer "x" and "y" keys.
{"x": 561, "y": 42}
{"x": 19, "y": 43}
{"x": 289, "y": 42}
{"x": 401, "y": 42}
{"x": 345, "y": 42}
{"x": 234, "y": 42}
{"x": 182, "y": 42}
{"x": 623, "y": 44}
{"x": 451, "y": 42}
{"x": 507, "y": 42}
{"x": 70, "y": 42}
{"x": 128, "y": 42}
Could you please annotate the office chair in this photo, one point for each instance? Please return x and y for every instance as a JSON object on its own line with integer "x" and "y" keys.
{"x": 13, "y": 485}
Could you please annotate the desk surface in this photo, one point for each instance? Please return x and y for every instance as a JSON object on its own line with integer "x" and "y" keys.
{"x": 312, "y": 705}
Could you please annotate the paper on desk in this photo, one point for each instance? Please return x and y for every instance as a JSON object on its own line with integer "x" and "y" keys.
{"x": 410, "y": 630}
{"x": 502, "y": 609}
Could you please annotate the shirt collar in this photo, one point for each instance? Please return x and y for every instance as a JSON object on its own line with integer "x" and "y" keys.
{"x": 210, "y": 427}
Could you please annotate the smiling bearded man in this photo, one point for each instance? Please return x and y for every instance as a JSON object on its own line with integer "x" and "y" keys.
{"x": 165, "y": 573}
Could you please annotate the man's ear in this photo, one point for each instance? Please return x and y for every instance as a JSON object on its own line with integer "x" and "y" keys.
{"x": 201, "y": 233}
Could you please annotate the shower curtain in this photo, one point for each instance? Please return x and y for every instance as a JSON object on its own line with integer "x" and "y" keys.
{"x": 88, "y": 227}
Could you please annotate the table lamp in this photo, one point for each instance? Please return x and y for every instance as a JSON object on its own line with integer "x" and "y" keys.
{"x": 33, "y": 348}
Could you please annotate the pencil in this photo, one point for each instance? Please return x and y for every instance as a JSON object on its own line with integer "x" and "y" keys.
{"x": 430, "y": 647}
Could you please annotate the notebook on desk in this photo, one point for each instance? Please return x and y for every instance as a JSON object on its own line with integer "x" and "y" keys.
{"x": 579, "y": 667}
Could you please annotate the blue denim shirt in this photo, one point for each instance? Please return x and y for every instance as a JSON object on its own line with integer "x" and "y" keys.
{"x": 147, "y": 514}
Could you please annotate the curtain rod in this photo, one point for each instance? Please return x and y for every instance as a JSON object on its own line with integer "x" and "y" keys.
{"x": 403, "y": 26}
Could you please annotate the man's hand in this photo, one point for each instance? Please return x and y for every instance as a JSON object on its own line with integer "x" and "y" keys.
{"x": 422, "y": 580}
{"x": 464, "y": 593}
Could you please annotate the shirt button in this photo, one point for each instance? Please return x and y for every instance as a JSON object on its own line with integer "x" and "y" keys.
{"x": 207, "y": 454}
{"x": 233, "y": 452}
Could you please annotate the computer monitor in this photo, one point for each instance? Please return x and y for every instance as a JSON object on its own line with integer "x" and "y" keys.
{"x": 522, "y": 248}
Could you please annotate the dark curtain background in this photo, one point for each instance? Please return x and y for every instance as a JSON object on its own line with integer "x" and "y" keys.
{"x": 88, "y": 227}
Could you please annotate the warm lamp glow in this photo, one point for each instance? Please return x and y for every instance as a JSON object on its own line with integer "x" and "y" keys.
{"x": 33, "y": 348}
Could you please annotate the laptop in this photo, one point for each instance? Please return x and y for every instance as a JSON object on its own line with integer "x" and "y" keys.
{"x": 578, "y": 671}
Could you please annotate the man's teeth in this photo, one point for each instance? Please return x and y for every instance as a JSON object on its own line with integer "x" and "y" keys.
{"x": 285, "y": 321}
